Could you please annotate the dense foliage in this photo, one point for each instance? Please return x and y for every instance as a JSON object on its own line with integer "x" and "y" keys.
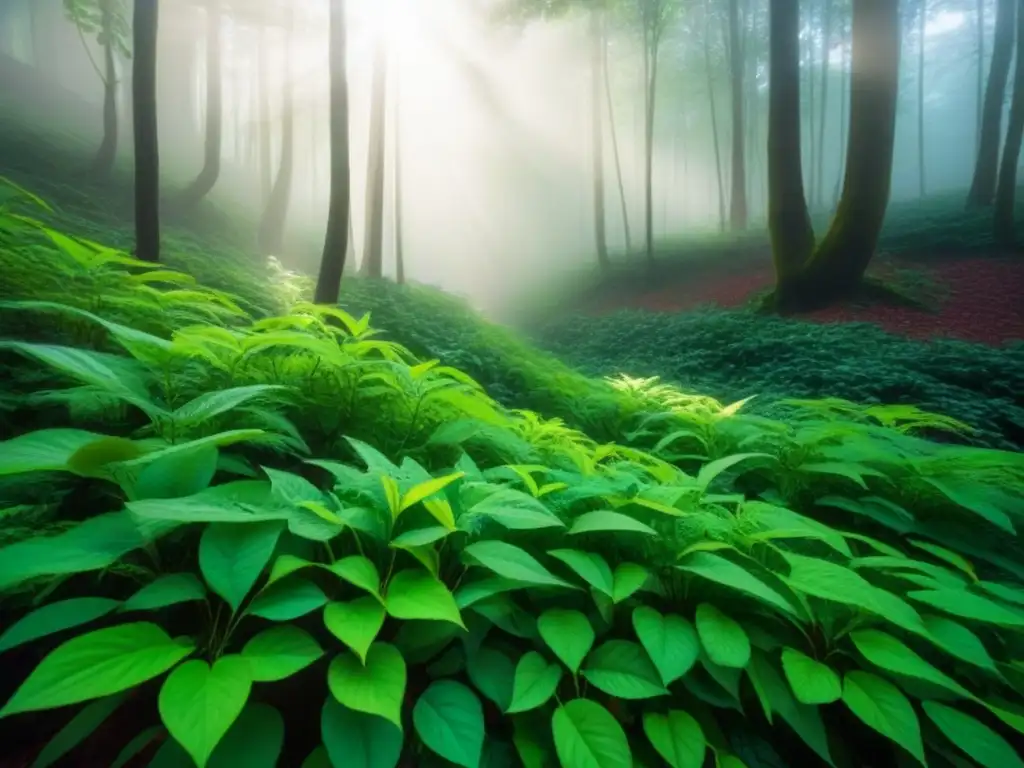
{"x": 287, "y": 534}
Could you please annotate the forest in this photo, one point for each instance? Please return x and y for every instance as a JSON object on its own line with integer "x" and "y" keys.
{"x": 497, "y": 383}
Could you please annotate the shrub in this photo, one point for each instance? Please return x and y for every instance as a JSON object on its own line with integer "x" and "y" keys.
{"x": 289, "y": 526}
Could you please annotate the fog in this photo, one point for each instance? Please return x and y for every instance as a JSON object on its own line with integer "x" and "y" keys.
{"x": 493, "y": 123}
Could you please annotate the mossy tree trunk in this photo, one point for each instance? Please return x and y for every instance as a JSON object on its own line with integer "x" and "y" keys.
{"x": 983, "y": 184}
{"x": 210, "y": 172}
{"x": 1003, "y": 225}
{"x": 373, "y": 242}
{"x": 336, "y": 241}
{"x": 838, "y": 264}
{"x": 145, "y": 23}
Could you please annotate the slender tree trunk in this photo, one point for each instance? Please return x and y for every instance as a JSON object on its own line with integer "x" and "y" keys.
{"x": 922, "y": 26}
{"x": 714, "y": 116}
{"x": 651, "y": 45}
{"x": 1005, "y": 199}
{"x": 812, "y": 145}
{"x": 272, "y": 225}
{"x": 147, "y": 149}
{"x": 839, "y": 263}
{"x": 336, "y": 242}
{"x": 597, "y": 47}
{"x": 399, "y": 217}
{"x": 826, "y": 32}
{"x": 213, "y": 144}
{"x": 789, "y": 222}
{"x": 263, "y": 93}
{"x": 980, "y": 88}
{"x": 373, "y": 237}
{"x": 844, "y": 100}
{"x": 613, "y": 132}
{"x": 106, "y": 155}
{"x": 738, "y": 197}
{"x": 983, "y": 184}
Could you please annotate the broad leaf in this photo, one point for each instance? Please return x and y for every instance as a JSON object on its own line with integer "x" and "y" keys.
{"x": 376, "y": 687}
{"x": 622, "y": 669}
{"x": 416, "y": 594}
{"x": 881, "y": 705}
{"x": 812, "y": 682}
{"x": 232, "y": 556}
{"x": 358, "y": 740}
{"x": 723, "y": 638}
{"x": 280, "y": 652}
{"x": 677, "y": 737}
{"x": 670, "y": 641}
{"x": 568, "y": 633}
{"x": 587, "y": 736}
{"x": 56, "y": 617}
{"x": 449, "y": 720}
{"x": 512, "y": 562}
{"x": 974, "y": 738}
{"x": 167, "y": 590}
{"x": 355, "y": 623}
{"x": 535, "y": 682}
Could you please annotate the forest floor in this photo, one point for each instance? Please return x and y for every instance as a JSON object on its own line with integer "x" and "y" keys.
{"x": 978, "y": 297}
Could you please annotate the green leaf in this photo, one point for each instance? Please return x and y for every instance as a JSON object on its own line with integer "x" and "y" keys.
{"x": 516, "y": 510}
{"x": 96, "y": 664}
{"x": 605, "y": 520}
{"x": 280, "y": 652}
{"x": 966, "y": 605}
{"x": 959, "y": 641}
{"x": 828, "y": 581}
{"x": 287, "y": 600}
{"x": 587, "y": 736}
{"x": 888, "y": 653}
{"x": 355, "y": 623}
{"x": 175, "y": 475}
{"x": 493, "y": 673}
{"x": 627, "y": 579}
{"x": 670, "y": 641}
{"x": 132, "y": 749}
{"x": 512, "y": 562}
{"x": 449, "y": 720}
{"x": 198, "y": 704}
{"x": 232, "y": 556}
{"x": 212, "y": 404}
{"x": 43, "y": 450}
{"x": 725, "y": 572}
{"x": 723, "y": 638}
{"x": 535, "y": 682}
{"x": 590, "y": 567}
{"x": 376, "y": 688}
{"x": 622, "y": 669}
{"x": 254, "y": 740}
{"x": 358, "y": 740}
{"x": 812, "y": 682}
{"x": 710, "y": 471}
{"x": 881, "y": 706}
{"x": 358, "y": 571}
{"x": 416, "y": 594}
{"x": 419, "y": 537}
{"x": 677, "y": 737}
{"x": 166, "y": 590}
{"x": 78, "y": 729}
{"x": 568, "y": 634}
{"x": 974, "y": 738}
{"x": 55, "y": 617}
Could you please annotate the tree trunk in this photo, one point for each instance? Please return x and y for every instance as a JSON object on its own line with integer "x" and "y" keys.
{"x": 597, "y": 46}
{"x": 613, "y": 132}
{"x": 373, "y": 238}
{"x": 789, "y": 222}
{"x": 980, "y": 87}
{"x": 839, "y": 263}
{"x": 208, "y": 176}
{"x": 983, "y": 184}
{"x": 819, "y": 181}
{"x": 336, "y": 241}
{"x": 714, "y": 117}
{"x": 103, "y": 163}
{"x": 147, "y": 149}
{"x": 844, "y": 100}
{"x": 812, "y": 146}
{"x": 651, "y": 44}
{"x": 263, "y": 93}
{"x": 738, "y": 197}
{"x": 1003, "y": 224}
{"x": 271, "y": 232}
{"x": 922, "y": 24}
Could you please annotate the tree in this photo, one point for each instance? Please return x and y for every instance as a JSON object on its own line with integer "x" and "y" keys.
{"x": 983, "y": 184}
{"x": 332, "y": 262}
{"x": 373, "y": 242}
{"x": 598, "y": 47}
{"x": 738, "y": 197}
{"x": 1006, "y": 188}
{"x": 207, "y": 178}
{"x": 145, "y": 24}
{"x": 271, "y": 231}
{"x": 807, "y": 278}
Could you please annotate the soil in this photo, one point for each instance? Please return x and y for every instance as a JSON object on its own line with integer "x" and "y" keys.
{"x": 977, "y": 298}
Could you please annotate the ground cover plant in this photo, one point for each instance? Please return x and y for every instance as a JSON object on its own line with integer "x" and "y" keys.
{"x": 287, "y": 539}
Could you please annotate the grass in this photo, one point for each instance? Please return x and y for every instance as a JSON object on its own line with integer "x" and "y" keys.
{"x": 330, "y": 543}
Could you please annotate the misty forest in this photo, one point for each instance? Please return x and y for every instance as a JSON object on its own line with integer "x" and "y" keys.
{"x": 496, "y": 383}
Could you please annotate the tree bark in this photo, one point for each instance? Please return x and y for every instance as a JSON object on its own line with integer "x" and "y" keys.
{"x": 1003, "y": 224}
{"x": 373, "y": 238}
{"x": 738, "y": 197}
{"x": 651, "y": 44}
{"x": 714, "y": 116}
{"x": 106, "y": 155}
{"x": 812, "y": 146}
{"x": 980, "y": 87}
{"x": 844, "y": 101}
{"x": 147, "y": 149}
{"x": 399, "y": 212}
{"x": 922, "y": 25}
{"x": 789, "y": 222}
{"x": 336, "y": 241}
{"x": 213, "y": 142}
{"x": 842, "y": 257}
{"x": 819, "y": 181}
{"x": 597, "y": 46}
{"x": 271, "y": 231}
{"x": 613, "y": 132}
{"x": 983, "y": 184}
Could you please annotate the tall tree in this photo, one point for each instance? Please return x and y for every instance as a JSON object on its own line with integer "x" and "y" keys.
{"x": 1003, "y": 225}
{"x": 598, "y": 46}
{"x": 807, "y": 280}
{"x": 272, "y": 225}
{"x": 738, "y": 196}
{"x": 145, "y": 24}
{"x": 207, "y": 178}
{"x": 715, "y": 142}
{"x": 922, "y": 27}
{"x": 336, "y": 241}
{"x": 398, "y": 201}
{"x": 983, "y": 184}
{"x": 826, "y": 49}
{"x": 980, "y": 87}
{"x": 373, "y": 239}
